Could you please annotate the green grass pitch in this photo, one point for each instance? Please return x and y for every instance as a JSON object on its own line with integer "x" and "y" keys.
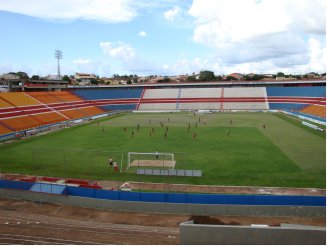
{"x": 284, "y": 154}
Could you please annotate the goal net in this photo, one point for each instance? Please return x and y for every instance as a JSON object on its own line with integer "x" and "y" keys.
{"x": 164, "y": 160}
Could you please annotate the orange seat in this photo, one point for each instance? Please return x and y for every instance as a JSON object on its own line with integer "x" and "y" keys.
{"x": 48, "y": 118}
{"x": 4, "y": 130}
{"x": 73, "y": 113}
{"x": 21, "y": 122}
{"x": 19, "y": 98}
{"x": 316, "y": 110}
{"x": 4, "y": 104}
{"x": 92, "y": 110}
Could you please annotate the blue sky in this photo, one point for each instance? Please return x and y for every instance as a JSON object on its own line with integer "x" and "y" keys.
{"x": 164, "y": 37}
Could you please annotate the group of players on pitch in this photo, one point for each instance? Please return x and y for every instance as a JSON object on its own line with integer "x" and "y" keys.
{"x": 188, "y": 128}
{"x": 113, "y": 163}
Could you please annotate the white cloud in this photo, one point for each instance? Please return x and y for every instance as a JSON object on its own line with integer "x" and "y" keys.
{"x": 99, "y": 10}
{"x": 81, "y": 61}
{"x": 171, "y": 14}
{"x": 118, "y": 50}
{"x": 274, "y": 33}
{"x": 142, "y": 33}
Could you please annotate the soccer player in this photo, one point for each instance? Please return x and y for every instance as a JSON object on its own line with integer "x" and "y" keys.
{"x": 165, "y": 134}
{"x": 110, "y": 161}
{"x": 196, "y": 125}
{"x": 230, "y": 122}
{"x": 194, "y": 135}
{"x": 264, "y": 126}
{"x": 166, "y": 128}
{"x": 228, "y": 132}
{"x": 116, "y": 167}
{"x": 132, "y": 133}
{"x": 124, "y": 129}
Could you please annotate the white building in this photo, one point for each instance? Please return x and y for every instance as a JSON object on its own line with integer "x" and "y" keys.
{"x": 84, "y": 78}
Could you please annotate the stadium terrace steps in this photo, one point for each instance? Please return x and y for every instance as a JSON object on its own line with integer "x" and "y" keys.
{"x": 315, "y": 110}
{"x": 92, "y": 110}
{"x": 4, "y": 130}
{"x": 73, "y": 113}
{"x": 205, "y": 98}
{"x": 65, "y": 96}
{"x": 49, "y": 118}
{"x": 18, "y": 99}
{"x": 44, "y": 97}
{"x": 5, "y": 104}
{"x": 21, "y": 123}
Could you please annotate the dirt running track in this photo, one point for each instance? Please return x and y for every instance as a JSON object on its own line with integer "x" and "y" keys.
{"x": 25, "y": 222}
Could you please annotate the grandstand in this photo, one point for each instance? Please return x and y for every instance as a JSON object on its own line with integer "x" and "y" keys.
{"x": 4, "y": 130}
{"x": 4, "y": 104}
{"x": 316, "y": 110}
{"x": 92, "y": 110}
{"x": 44, "y": 97}
{"x": 18, "y": 99}
{"x": 73, "y": 113}
{"x": 20, "y": 110}
{"x": 21, "y": 123}
{"x": 49, "y": 118}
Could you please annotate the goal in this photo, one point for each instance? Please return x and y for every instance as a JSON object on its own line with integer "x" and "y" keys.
{"x": 138, "y": 159}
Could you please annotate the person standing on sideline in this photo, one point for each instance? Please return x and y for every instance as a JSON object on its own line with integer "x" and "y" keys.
{"x": 264, "y": 126}
{"x": 157, "y": 154}
{"x": 110, "y": 161}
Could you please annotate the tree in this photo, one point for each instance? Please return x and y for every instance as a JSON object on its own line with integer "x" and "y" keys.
{"x": 191, "y": 79}
{"x": 66, "y": 78}
{"x": 129, "y": 82}
{"x": 206, "y": 75}
{"x": 135, "y": 80}
{"x": 219, "y": 78}
{"x": 22, "y": 75}
{"x": 35, "y": 77}
{"x": 280, "y": 74}
{"x": 94, "y": 81}
{"x": 229, "y": 78}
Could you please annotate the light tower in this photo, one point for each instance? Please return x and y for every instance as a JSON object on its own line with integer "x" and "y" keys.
{"x": 58, "y": 56}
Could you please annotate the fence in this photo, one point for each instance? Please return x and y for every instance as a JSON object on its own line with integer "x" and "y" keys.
{"x": 179, "y": 198}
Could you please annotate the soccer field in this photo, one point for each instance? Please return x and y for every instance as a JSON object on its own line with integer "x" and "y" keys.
{"x": 229, "y": 148}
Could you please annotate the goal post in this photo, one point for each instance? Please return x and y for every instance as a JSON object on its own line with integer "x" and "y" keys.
{"x": 152, "y": 159}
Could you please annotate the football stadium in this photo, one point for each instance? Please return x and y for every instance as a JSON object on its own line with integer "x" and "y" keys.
{"x": 240, "y": 149}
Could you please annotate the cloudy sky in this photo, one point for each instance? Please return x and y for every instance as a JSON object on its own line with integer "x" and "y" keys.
{"x": 163, "y": 37}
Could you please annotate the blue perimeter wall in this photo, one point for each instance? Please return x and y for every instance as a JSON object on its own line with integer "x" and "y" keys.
{"x": 180, "y": 198}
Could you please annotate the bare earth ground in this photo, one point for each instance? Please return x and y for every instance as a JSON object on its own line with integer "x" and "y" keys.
{"x": 25, "y": 222}
{"x": 216, "y": 189}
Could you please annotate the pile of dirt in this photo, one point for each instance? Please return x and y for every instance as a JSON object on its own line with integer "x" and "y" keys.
{"x": 211, "y": 221}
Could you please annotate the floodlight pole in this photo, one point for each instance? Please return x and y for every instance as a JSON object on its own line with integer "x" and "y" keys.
{"x": 58, "y": 56}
